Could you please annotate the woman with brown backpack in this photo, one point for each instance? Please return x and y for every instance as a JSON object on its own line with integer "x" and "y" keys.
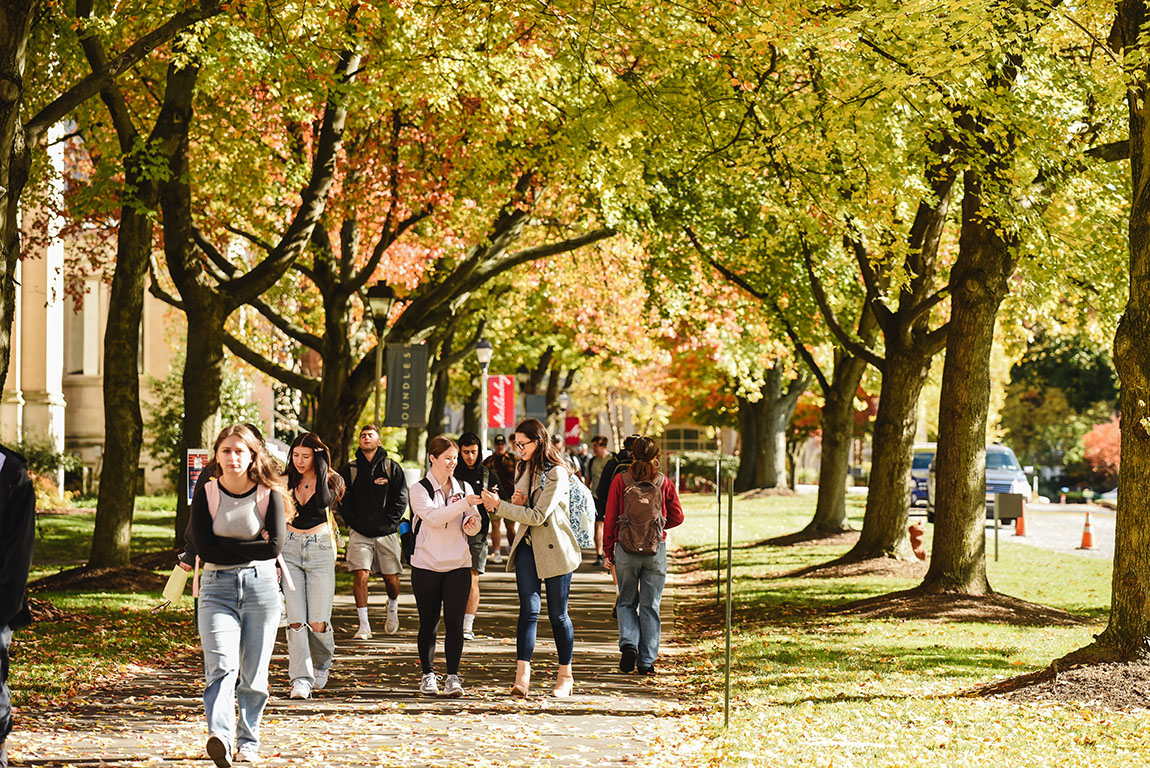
{"x": 641, "y": 505}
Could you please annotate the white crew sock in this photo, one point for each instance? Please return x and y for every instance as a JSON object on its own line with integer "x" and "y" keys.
{"x": 468, "y": 621}
{"x": 392, "y": 605}
{"x": 363, "y": 622}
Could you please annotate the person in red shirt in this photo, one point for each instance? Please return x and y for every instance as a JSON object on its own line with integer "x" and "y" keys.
{"x": 635, "y": 543}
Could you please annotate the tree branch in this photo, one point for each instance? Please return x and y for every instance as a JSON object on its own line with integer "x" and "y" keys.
{"x": 305, "y": 384}
{"x": 1112, "y": 152}
{"x": 255, "y": 240}
{"x": 453, "y": 358}
{"x": 852, "y": 346}
{"x": 89, "y": 86}
{"x": 225, "y": 269}
{"x": 293, "y": 332}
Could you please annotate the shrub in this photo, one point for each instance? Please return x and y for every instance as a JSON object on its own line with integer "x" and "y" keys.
{"x": 44, "y": 459}
{"x": 697, "y": 469}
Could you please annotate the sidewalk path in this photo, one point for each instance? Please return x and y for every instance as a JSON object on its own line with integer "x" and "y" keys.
{"x": 371, "y": 713}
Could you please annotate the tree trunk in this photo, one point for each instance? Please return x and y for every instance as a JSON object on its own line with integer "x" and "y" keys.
{"x": 979, "y": 282}
{"x": 762, "y": 430}
{"x": 1127, "y": 636}
{"x": 837, "y": 432}
{"x": 884, "y": 531}
{"x": 471, "y": 414}
{"x": 438, "y": 407}
{"x": 112, "y": 537}
{"x": 15, "y": 29}
{"x": 202, "y": 379}
{"x": 411, "y": 448}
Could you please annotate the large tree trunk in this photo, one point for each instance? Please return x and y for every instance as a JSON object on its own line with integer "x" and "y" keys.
{"x": 762, "y": 425}
{"x": 837, "y": 432}
{"x": 15, "y": 28}
{"x": 112, "y": 537}
{"x": 884, "y": 531}
{"x": 471, "y": 412}
{"x": 979, "y": 282}
{"x": 438, "y": 407}
{"x": 1127, "y": 636}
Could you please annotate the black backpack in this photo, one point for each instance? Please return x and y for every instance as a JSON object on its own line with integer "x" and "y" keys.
{"x": 641, "y": 522}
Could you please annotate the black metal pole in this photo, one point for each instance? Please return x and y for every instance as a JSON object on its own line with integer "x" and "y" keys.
{"x": 730, "y": 518}
{"x": 719, "y": 527}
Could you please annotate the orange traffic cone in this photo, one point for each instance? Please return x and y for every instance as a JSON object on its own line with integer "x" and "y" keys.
{"x": 1087, "y": 533}
{"x": 1020, "y": 522}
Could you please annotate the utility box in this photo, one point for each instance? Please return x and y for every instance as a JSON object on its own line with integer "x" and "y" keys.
{"x": 1009, "y": 506}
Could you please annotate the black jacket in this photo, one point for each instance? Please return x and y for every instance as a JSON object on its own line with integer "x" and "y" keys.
{"x": 17, "y": 535}
{"x": 478, "y": 479}
{"x": 376, "y": 500}
{"x": 616, "y": 464}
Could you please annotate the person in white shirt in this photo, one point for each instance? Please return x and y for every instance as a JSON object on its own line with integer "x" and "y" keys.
{"x": 444, "y": 514}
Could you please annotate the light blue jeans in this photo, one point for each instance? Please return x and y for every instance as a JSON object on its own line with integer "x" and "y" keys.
{"x": 238, "y": 618}
{"x": 641, "y": 579}
{"x": 310, "y": 561}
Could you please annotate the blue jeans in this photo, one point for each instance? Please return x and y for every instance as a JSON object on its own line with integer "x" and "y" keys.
{"x": 310, "y": 561}
{"x": 641, "y": 579}
{"x": 238, "y": 617}
{"x": 529, "y": 584}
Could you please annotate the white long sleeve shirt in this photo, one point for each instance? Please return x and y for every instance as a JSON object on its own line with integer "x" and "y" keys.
{"x": 441, "y": 545}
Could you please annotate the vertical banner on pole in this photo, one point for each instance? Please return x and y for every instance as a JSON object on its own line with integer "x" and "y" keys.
{"x": 197, "y": 460}
{"x": 501, "y": 402}
{"x": 406, "y": 385}
{"x": 572, "y": 431}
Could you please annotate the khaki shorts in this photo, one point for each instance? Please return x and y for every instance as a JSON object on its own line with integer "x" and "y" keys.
{"x": 379, "y": 554}
{"x": 478, "y": 546}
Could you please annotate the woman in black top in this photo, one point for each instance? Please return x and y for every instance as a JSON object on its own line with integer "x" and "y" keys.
{"x": 238, "y": 530}
{"x": 309, "y": 552}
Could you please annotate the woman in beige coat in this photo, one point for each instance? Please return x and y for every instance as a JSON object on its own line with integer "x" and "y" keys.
{"x": 544, "y": 551}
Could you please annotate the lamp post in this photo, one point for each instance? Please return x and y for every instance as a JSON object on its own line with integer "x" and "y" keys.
{"x": 380, "y": 298}
{"x": 564, "y": 402}
{"x": 483, "y": 352}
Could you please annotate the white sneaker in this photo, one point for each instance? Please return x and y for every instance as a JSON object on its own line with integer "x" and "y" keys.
{"x": 300, "y": 690}
{"x": 429, "y": 685}
{"x": 392, "y": 625}
{"x": 247, "y": 755}
{"x": 321, "y": 676}
{"x": 454, "y": 688}
{"x": 468, "y": 634}
{"x": 497, "y": 558}
{"x": 364, "y": 632}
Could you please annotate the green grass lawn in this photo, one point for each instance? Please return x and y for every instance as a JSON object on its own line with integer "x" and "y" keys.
{"x": 814, "y": 689}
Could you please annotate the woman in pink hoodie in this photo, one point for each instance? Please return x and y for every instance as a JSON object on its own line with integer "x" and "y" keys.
{"x": 444, "y": 514}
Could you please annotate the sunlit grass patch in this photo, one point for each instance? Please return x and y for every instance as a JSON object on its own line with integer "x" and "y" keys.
{"x": 811, "y": 686}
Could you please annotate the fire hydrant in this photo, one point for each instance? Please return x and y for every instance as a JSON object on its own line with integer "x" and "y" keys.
{"x": 916, "y": 532}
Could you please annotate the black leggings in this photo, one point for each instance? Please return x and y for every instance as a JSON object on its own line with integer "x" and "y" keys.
{"x": 434, "y": 590}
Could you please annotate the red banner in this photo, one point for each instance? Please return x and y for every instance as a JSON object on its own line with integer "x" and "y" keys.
{"x": 501, "y": 402}
{"x": 573, "y": 432}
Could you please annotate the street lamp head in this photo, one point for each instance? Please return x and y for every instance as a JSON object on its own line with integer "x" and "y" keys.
{"x": 484, "y": 351}
{"x": 564, "y": 400}
{"x": 381, "y": 298}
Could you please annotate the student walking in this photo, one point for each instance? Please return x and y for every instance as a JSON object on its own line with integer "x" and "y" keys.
{"x": 594, "y": 473}
{"x": 375, "y": 502}
{"x": 17, "y": 536}
{"x": 501, "y": 465}
{"x": 443, "y": 516}
{"x": 545, "y": 550}
{"x": 238, "y": 529}
{"x": 309, "y": 553}
{"x": 641, "y": 505}
{"x": 470, "y": 470}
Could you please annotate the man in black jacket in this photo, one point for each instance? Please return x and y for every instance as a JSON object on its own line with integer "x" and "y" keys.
{"x": 374, "y": 504}
{"x": 17, "y": 535}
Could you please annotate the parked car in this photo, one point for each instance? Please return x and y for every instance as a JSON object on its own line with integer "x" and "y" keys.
{"x": 1003, "y": 475}
{"x": 919, "y": 469}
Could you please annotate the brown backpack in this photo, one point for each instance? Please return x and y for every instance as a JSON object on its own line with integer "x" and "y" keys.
{"x": 641, "y": 522}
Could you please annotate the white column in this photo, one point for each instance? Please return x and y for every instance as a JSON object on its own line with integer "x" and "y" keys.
{"x": 12, "y": 402}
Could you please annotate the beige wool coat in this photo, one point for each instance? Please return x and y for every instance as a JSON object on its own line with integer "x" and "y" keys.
{"x": 547, "y": 520}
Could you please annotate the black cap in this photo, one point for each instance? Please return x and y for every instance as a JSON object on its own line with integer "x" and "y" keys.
{"x": 500, "y": 439}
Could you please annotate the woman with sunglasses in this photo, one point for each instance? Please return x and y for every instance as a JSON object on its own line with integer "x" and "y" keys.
{"x": 545, "y": 550}
{"x": 309, "y": 552}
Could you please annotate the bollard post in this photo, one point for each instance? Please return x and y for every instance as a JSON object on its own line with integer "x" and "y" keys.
{"x": 730, "y": 531}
